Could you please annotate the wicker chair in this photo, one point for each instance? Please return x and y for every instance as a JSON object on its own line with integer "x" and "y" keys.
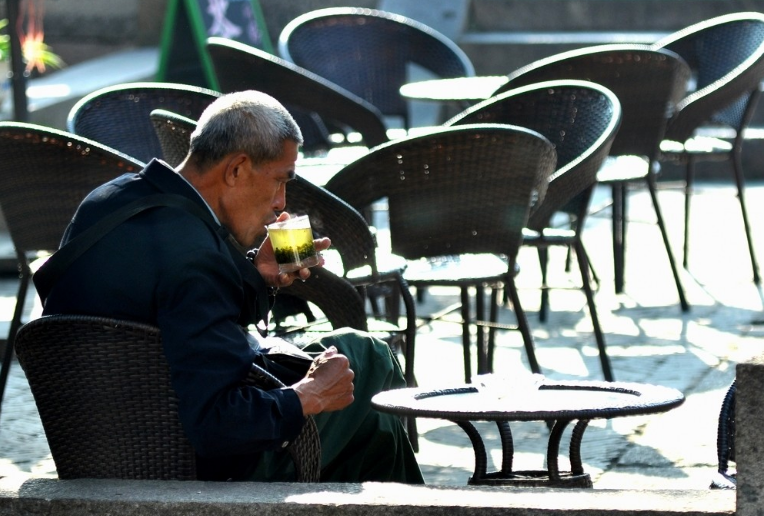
{"x": 102, "y": 388}
{"x": 445, "y": 192}
{"x": 44, "y": 175}
{"x": 726, "y": 56}
{"x": 368, "y": 52}
{"x": 581, "y": 119}
{"x": 648, "y": 83}
{"x": 312, "y": 100}
{"x": 174, "y": 134}
{"x": 725, "y": 441}
{"x": 118, "y": 116}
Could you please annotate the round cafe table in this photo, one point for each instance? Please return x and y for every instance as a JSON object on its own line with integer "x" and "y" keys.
{"x": 557, "y": 402}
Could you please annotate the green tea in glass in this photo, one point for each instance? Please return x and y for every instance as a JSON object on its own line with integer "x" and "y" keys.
{"x": 292, "y": 242}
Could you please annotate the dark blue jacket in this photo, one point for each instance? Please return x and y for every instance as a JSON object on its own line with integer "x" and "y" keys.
{"x": 168, "y": 268}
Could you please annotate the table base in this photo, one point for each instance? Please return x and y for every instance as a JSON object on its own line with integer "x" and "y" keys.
{"x": 535, "y": 478}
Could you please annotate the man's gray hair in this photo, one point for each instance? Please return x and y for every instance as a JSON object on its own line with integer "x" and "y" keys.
{"x": 246, "y": 121}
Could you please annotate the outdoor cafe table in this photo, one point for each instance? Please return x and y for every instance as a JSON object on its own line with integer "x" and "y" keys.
{"x": 557, "y": 402}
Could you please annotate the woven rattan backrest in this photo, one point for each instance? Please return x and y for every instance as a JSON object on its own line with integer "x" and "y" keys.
{"x": 102, "y": 388}
{"x": 44, "y": 175}
{"x": 368, "y": 52}
{"x": 648, "y": 83}
{"x": 580, "y": 118}
{"x": 241, "y": 67}
{"x": 174, "y": 134}
{"x": 118, "y": 116}
{"x": 726, "y": 56}
{"x": 458, "y": 190}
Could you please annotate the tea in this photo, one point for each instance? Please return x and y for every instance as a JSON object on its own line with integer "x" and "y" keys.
{"x": 292, "y": 242}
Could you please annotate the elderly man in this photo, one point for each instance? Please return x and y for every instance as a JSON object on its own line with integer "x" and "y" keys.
{"x": 186, "y": 270}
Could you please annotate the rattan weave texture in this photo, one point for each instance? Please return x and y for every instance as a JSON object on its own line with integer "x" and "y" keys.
{"x": 580, "y": 118}
{"x": 306, "y": 95}
{"x": 368, "y": 52}
{"x": 174, "y": 134}
{"x": 102, "y": 387}
{"x": 726, "y": 55}
{"x": 118, "y": 116}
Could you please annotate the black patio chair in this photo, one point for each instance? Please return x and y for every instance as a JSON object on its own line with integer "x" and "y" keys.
{"x": 581, "y": 120}
{"x": 317, "y": 105}
{"x": 370, "y": 52}
{"x": 118, "y": 116}
{"x": 44, "y": 175}
{"x": 648, "y": 83}
{"x": 726, "y": 56}
{"x": 451, "y": 194}
{"x": 102, "y": 388}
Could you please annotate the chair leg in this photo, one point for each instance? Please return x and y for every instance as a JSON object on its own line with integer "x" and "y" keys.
{"x": 689, "y": 181}
{"x": 740, "y": 183}
{"x": 583, "y": 266}
{"x": 543, "y": 253}
{"x": 18, "y": 311}
{"x": 465, "y": 298}
{"x": 482, "y": 365}
{"x": 618, "y": 193}
{"x": 409, "y": 305}
{"x": 662, "y": 226}
{"x": 492, "y": 330}
{"x": 522, "y": 324}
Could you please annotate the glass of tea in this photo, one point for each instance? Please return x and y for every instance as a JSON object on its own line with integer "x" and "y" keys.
{"x": 292, "y": 242}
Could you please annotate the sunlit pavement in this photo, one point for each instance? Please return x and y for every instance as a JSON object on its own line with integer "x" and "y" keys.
{"x": 649, "y": 340}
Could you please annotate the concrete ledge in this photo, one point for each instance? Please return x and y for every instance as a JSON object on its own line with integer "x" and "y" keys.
{"x": 20, "y": 495}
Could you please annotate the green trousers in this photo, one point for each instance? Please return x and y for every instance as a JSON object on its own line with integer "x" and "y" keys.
{"x": 358, "y": 443}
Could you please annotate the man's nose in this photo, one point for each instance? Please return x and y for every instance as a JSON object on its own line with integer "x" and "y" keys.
{"x": 279, "y": 202}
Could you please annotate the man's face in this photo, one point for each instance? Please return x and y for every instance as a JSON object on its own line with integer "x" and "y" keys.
{"x": 258, "y": 195}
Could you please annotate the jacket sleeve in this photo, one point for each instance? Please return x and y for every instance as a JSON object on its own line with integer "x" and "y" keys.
{"x": 199, "y": 301}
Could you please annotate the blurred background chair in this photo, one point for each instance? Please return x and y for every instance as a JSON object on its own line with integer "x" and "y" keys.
{"x": 173, "y": 132}
{"x": 102, "y": 388}
{"x": 457, "y": 199}
{"x": 371, "y": 53}
{"x": 118, "y": 116}
{"x": 726, "y": 56}
{"x": 648, "y": 83}
{"x": 44, "y": 175}
{"x": 319, "y": 107}
{"x": 581, "y": 120}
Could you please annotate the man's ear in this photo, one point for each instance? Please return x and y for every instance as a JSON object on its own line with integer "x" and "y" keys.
{"x": 235, "y": 168}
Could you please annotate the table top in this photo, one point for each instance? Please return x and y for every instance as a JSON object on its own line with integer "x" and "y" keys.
{"x": 453, "y": 90}
{"x": 530, "y": 401}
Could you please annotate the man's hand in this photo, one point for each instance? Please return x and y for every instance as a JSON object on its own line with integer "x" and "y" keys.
{"x": 328, "y": 386}
{"x": 269, "y": 269}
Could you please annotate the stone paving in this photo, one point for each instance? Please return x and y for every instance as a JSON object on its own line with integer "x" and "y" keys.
{"x": 649, "y": 340}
